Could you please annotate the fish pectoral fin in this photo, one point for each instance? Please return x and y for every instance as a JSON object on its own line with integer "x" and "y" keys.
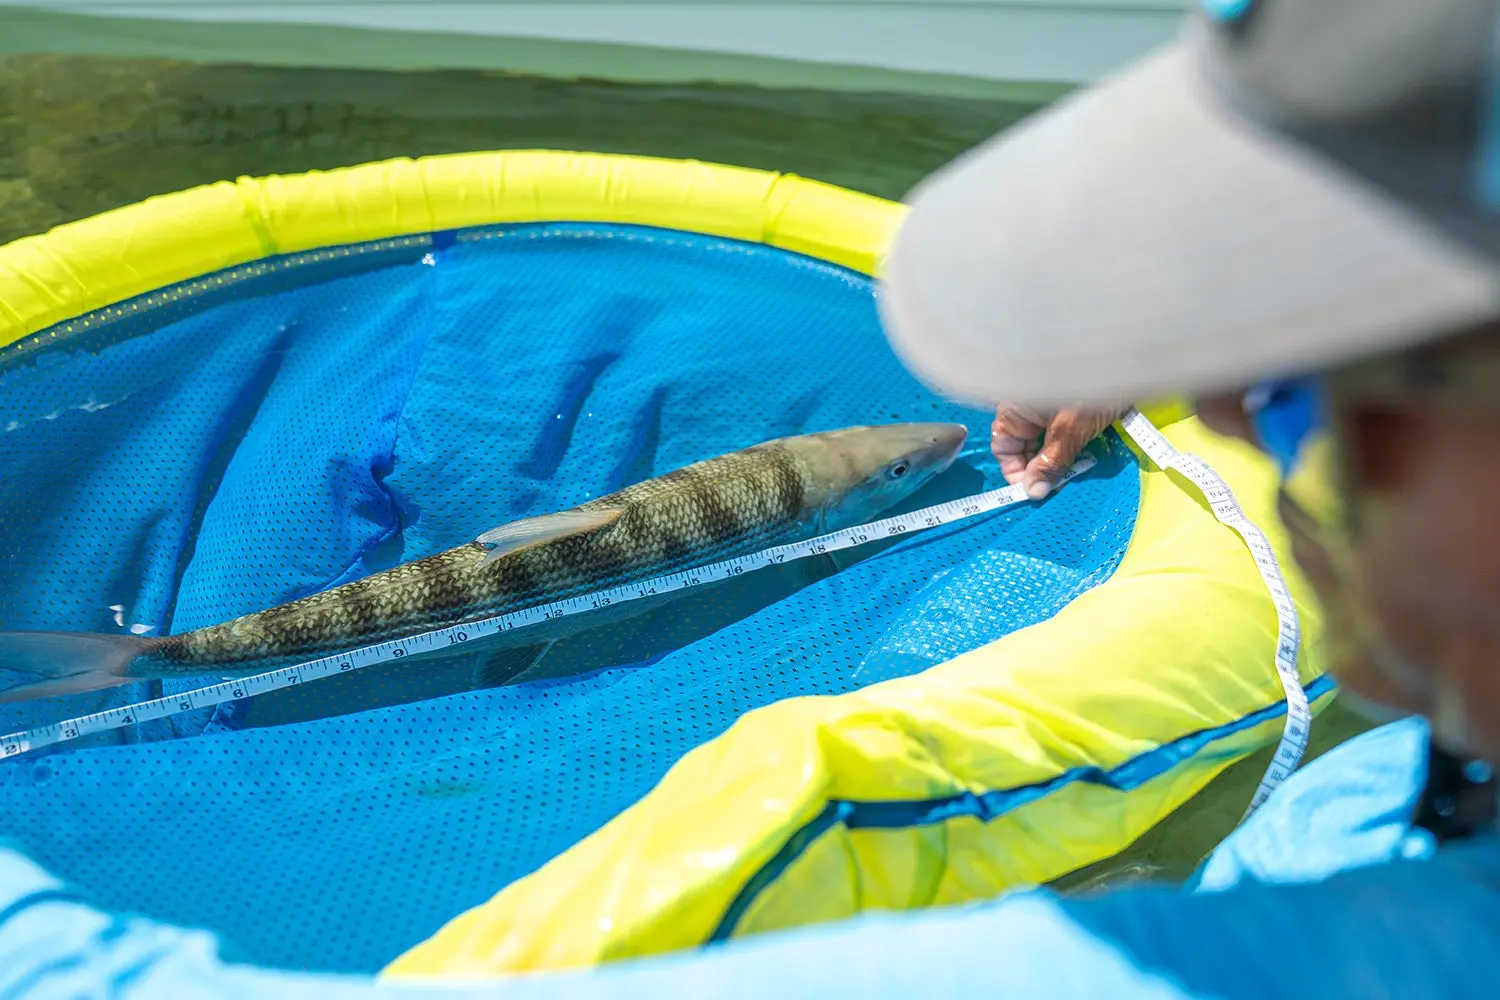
{"x": 518, "y": 535}
{"x": 505, "y": 665}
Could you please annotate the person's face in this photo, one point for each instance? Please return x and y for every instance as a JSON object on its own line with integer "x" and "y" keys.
{"x": 1410, "y": 575}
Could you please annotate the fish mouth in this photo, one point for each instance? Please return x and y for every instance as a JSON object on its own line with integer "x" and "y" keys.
{"x": 948, "y": 440}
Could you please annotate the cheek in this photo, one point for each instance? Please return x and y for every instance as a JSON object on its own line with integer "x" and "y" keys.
{"x": 1433, "y": 546}
{"x": 1348, "y": 638}
{"x": 1429, "y": 553}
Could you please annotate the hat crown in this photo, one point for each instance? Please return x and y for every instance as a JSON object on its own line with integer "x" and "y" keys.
{"x": 1328, "y": 61}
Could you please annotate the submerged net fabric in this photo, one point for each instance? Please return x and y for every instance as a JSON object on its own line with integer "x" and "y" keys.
{"x": 277, "y": 444}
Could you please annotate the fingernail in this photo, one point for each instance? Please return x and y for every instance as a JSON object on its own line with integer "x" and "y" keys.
{"x": 1039, "y": 489}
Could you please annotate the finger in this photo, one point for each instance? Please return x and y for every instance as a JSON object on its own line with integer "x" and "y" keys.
{"x": 1015, "y": 436}
{"x": 1009, "y": 444}
{"x": 1020, "y": 422}
{"x": 1013, "y": 454}
{"x": 1013, "y": 466}
{"x": 1069, "y": 432}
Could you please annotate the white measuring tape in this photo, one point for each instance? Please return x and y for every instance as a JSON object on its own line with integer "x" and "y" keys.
{"x": 453, "y": 635}
{"x": 1137, "y": 426}
{"x": 1288, "y": 630}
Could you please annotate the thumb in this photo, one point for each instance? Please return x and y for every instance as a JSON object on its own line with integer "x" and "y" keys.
{"x": 1067, "y": 435}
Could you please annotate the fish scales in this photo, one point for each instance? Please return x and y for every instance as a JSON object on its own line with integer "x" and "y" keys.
{"x": 701, "y": 513}
{"x": 770, "y": 494}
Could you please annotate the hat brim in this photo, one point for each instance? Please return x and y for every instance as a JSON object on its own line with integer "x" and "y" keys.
{"x": 1137, "y": 238}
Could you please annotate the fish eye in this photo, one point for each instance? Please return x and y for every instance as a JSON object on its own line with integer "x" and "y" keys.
{"x": 897, "y": 469}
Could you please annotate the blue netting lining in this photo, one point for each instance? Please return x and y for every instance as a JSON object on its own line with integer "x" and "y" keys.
{"x": 231, "y": 455}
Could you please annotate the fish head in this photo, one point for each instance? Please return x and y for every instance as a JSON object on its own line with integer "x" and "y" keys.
{"x": 857, "y": 473}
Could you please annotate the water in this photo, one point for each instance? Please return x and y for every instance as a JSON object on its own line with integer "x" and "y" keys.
{"x": 81, "y": 135}
{"x": 265, "y": 447}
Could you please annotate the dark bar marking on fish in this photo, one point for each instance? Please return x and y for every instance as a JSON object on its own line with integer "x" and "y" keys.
{"x": 609, "y": 558}
{"x": 779, "y": 492}
{"x": 718, "y": 518}
{"x": 448, "y": 587}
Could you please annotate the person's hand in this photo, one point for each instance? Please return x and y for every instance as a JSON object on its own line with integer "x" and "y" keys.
{"x": 1037, "y": 447}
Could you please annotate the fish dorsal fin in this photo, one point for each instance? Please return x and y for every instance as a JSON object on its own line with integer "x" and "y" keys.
{"x": 530, "y": 531}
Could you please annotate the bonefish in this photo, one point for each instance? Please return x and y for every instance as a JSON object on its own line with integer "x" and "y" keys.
{"x": 781, "y": 491}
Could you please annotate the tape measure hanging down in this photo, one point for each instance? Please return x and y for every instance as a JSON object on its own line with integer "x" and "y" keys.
{"x": 1288, "y": 629}
{"x": 1150, "y": 440}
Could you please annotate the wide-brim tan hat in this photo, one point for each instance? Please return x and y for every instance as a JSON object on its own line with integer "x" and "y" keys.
{"x": 1185, "y": 227}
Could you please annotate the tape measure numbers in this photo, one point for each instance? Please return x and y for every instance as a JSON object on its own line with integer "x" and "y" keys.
{"x": 1150, "y": 440}
{"x": 1288, "y": 628}
{"x": 15, "y": 744}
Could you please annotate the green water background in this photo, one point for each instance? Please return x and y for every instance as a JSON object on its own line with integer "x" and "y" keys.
{"x": 98, "y": 114}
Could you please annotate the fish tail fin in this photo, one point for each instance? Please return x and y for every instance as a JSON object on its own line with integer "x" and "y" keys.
{"x": 69, "y": 662}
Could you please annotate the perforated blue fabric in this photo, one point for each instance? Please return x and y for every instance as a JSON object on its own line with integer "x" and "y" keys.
{"x": 275, "y": 444}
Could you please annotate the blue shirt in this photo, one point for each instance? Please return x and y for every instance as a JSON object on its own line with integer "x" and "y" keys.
{"x": 1326, "y": 892}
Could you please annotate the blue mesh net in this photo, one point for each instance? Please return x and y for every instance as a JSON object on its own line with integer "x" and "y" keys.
{"x": 311, "y": 420}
